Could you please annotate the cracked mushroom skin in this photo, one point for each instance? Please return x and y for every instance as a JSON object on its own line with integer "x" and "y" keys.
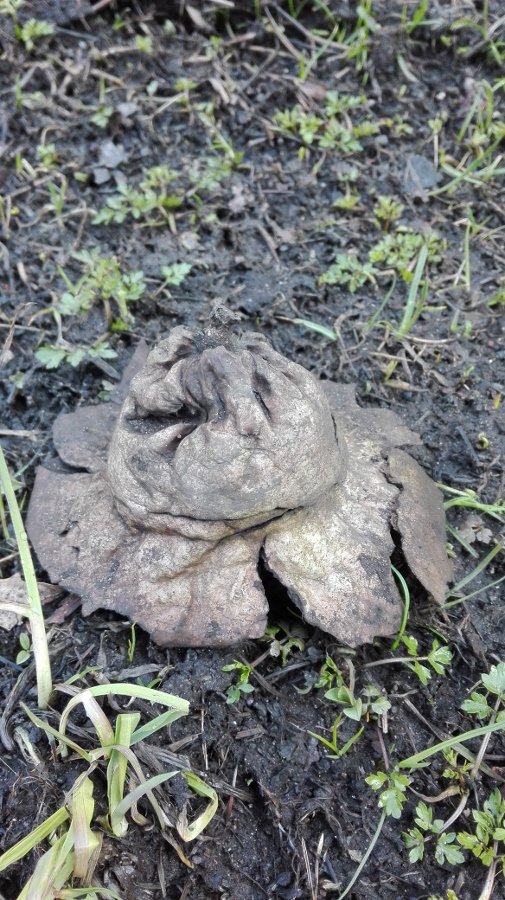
{"x": 216, "y": 451}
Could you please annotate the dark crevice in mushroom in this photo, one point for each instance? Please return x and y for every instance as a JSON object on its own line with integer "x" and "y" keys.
{"x": 263, "y": 405}
{"x": 68, "y": 528}
{"x": 280, "y": 604}
{"x": 399, "y": 562}
{"x": 150, "y": 424}
{"x": 261, "y": 384}
{"x": 56, "y": 464}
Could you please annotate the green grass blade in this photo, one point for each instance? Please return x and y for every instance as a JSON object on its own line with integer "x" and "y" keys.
{"x": 406, "y": 607}
{"x": 86, "y": 841}
{"x": 150, "y": 728}
{"x": 464, "y": 543}
{"x": 124, "y": 690}
{"x": 365, "y": 857}
{"x": 88, "y": 893}
{"x": 116, "y": 770}
{"x": 187, "y": 831}
{"x": 413, "y": 309}
{"x": 485, "y": 587}
{"x": 57, "y": 734}
{"x": 53, "y": 869}
{"x": 35, "y": 614}
{"x": 319, "y": 329}
{"x": 117, "y": 815}
{"x": 478, "y": 568}
{"x": 413, "y": 761}
{"x": 44, "y": 830}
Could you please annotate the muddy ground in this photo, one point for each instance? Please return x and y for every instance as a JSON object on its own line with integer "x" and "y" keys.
{"x": 256, "y": 212}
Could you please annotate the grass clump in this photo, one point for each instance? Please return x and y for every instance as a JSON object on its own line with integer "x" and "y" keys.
{"x": 75, "y": 851}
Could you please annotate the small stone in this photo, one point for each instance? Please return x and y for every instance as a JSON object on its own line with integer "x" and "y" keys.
{"x": 420, "y": 175}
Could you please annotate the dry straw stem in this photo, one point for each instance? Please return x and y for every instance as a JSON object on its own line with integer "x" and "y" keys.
{"x": 34, "y": 608}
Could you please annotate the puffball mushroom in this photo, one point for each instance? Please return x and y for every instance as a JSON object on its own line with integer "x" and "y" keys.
{"x": 217, "y": 453}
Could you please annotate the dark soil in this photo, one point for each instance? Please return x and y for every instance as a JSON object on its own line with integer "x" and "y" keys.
{"x": 292, "y": 823}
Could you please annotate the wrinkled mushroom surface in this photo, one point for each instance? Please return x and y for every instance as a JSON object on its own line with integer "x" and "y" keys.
{"x": 215, "y": 453}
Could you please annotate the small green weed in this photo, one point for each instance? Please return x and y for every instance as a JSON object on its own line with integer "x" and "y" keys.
{"x": 438, "y": 659}
{"x": 386, "y": 211}
{"x": 329, "y": 674}
{"x": 11, "y": 8}
{"x": 208, "y": 175}
{"x": 175, "y": 274}
{"x": 398, "y": 251}
{"x": 102, "y": 281}
{"x": 332, "y": 129}
{"x": 498, "y": 297}
{"x": 51, "y": 356}
{"x": 370, "y": 702}
{"x": 348, "y": 271}
{"x": 102, "y": 115}
{"x": 241, "y": 686}
{"x": 282, "y": 647}
{"x": 450, "y": 895}
{"x": 493, "y": 684}
{"x": 394, "y": 253}
{"x": 32, "y": 31}
{"x": 150, "y": 202}
{"x": 338, "y": 749}
{"x": 392, "y": 786}
{"x": 369, "y": 705}
{"x": 144, "y": 43}
{"x": 47, "y": 154}
{"x": 446, "y": 848}
{"x": 487, "y": 842}
{"x": 25, "y": 651}
{"x": 57, "y": 196}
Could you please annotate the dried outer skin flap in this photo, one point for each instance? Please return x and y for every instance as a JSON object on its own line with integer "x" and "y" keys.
{"x": 136, "y": 363}
{"x": 82, "y": 437}
{"x": 76, "y": 531}
{"x": 382, "y": 426}
{"x": 340, "y": 579}
{"x": 334, "y": 557}
{"x": 184, "y": 592}
{"x": 216, "y": 602}
{"x": 420, "y": 519}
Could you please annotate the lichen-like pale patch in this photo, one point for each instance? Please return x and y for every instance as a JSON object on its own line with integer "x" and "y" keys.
{"x": 214, "y": 452}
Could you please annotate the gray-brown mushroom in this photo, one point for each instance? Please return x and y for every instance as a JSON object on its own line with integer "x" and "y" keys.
{"x": 215, "y": 454}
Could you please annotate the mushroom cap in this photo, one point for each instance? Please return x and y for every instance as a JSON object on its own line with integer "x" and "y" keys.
{"x": 221, "y": 428}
